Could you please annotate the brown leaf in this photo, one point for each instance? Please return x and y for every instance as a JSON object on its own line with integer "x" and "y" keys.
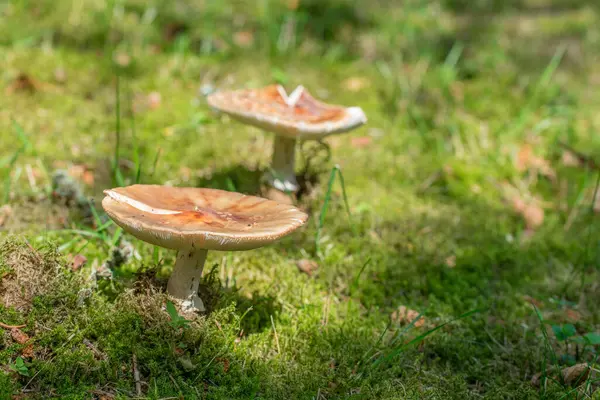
{"x": 307, "y": 266}
{"x": 531, "y": 212}
{"x": 78, "y": 262}
{"x": 293, "y": 4}
{"x": 572, "y": 315}
{"x": 27, "y": 352}
{"x": 404, "y": 315}
{"x": 575, "y": 375}
{"x": 527, "y": 160}
{"x": 19, "y": 336}
{"x": 360, "y": 142}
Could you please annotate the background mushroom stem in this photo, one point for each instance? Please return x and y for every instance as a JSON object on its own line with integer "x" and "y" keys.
{"x": 283, "y": 176}
{"x": 184, "y": 281}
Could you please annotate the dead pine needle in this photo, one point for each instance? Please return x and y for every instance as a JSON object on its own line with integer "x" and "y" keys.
{"x": 5, "y": 326}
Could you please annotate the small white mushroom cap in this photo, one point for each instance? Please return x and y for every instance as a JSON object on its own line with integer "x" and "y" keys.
{"x": 296, "y": 116}
{"x": 184, "y": 218}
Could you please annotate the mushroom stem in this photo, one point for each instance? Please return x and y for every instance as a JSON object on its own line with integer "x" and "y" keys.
{"x": 184, "y": 281}
{"x": 283, "y": 176}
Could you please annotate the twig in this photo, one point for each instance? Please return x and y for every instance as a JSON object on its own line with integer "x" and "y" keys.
{"x": 276, "y": 336}
{"x": 11, "y": 326}
{"x": 136, "y": 376}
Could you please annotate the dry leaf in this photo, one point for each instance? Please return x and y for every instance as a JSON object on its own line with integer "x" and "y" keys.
{"x": 526, "y": 160}
{"x": 363, "y": 141}
{"x": 404, "y": 315}
{"x": 154, "y": 100}
{"x": 355, "y": 84}
{"x": 82, "y": 173}
{"x": 19, "y": 336}
{"x": 78, "y": 262}
{"x": 572, "y": 315}
{"x": 532, "y": 213}
{"x": 307, "y": 266}
{"x": 27, "y": 352}
{"x": 575, "y": 375}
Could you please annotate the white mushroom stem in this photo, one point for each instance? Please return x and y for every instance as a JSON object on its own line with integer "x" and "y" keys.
{"x": 184, "y": 281}
{"x": 283, "y": 176}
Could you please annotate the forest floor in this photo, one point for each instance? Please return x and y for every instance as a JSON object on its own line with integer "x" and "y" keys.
{"x": 470, "y": 264}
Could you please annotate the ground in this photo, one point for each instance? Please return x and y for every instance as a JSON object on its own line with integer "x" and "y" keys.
{"x": 469, "y": 267}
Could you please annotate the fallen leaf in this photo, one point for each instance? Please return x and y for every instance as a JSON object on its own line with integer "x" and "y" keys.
{"x": 78, "y": 262}
{"x": 360, "y": 142}
{"x": 19, "y": 336}
{"x": 404, "y": 315}
{"x": 307, "y": 266}
{"x": 531, "y": 212}
{"x": 355, "y": 84}
{"x": 27, "y": 352}
{"x": 527, "y": 160}
{"x": 572, "y": 315}
{"x": 154, "y": 100}
{"x": 575, "y": 375}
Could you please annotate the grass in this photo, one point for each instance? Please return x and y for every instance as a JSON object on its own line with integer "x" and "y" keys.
{"x": 454, "y": 93}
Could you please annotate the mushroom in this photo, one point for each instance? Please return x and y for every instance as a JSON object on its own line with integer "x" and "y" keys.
{"x": 297, "y": 116}
{"x": 193, "y": 221}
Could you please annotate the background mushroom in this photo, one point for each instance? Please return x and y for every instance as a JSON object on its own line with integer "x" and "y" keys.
{"x": 193, "y": 221}
{"x": 298, "y": 116}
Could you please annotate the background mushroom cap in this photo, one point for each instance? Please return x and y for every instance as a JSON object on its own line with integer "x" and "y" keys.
{"x": 267, "y": 108}
{"x": 182, "y": 218}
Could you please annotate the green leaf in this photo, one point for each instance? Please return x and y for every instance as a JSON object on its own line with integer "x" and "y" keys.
{"x": 592, "y": 338}
{"x": 172, "y": 311}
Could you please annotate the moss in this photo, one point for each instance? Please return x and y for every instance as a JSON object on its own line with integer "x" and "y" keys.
{"x": 451, "y": 98}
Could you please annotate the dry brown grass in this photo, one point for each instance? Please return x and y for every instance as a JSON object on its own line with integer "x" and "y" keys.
{"x": 27, "y": 273}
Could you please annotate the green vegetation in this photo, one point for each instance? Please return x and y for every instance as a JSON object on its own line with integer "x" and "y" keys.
{"x": 469, "y": 265}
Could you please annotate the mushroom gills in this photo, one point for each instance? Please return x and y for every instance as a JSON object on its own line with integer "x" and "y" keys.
{"x": 185, "y": 279}
{"x": 282, "y": 175}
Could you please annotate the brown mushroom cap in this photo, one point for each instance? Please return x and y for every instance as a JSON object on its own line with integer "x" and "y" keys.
{"x": 271, "y": 109}
{"x": 183, "y": 218}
